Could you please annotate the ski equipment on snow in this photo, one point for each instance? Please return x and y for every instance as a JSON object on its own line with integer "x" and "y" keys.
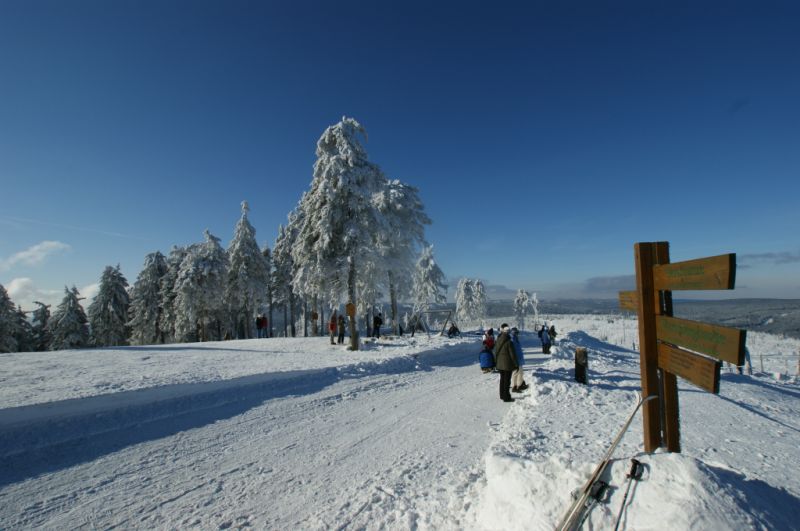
{"x": 573, "y": 519}
{"x": 635, "y": 473}
{"x": 596, "y": 495}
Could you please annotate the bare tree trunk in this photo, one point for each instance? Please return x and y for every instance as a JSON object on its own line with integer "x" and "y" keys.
{"x": 393, "y": 301}
{"x": 314, "y": 330}
{"x": 305, "y": 317}
{"x": 248, "y": 323}
{"x": 269, "y": 323}
{"x": 291, "y": 315}
{"x": 322, "y": 320}
{"x": 285, "y": 321}
{"x": 351, "y": 295}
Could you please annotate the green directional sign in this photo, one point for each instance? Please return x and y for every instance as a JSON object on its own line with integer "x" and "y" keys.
{"x": 716, "y": 272}
{"x": 726, "y": 344}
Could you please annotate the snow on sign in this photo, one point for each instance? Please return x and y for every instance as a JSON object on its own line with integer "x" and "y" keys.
{"x": 666, "y": 343}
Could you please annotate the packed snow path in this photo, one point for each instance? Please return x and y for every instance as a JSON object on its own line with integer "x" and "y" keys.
{"x": 403, "y": 434}
{"x": 393, "y": 450}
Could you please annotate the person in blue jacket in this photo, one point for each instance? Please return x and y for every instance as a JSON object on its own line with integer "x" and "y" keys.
{"x": 486, "y": 359}
{"x": 543, "y": 334}
{"x": 518, "y": 376}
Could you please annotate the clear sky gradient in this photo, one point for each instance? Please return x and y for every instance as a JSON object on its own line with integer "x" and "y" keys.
{"x": 546, "y": 138}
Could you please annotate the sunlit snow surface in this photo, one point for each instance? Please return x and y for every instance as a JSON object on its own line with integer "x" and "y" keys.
{"x": 403, "y": 434}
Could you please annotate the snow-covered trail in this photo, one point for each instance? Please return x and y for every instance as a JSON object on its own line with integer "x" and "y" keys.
{"x": 365, "y": 452}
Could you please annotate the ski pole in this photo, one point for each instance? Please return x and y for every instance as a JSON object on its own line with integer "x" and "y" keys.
{"x": 635, "y": 473}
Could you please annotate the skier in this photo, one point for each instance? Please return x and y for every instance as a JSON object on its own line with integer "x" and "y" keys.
{"x": 518, "y": 377}
{"x": 506, "y": 360}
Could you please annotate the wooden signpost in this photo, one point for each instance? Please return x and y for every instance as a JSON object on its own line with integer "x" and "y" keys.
{"x": 671, "y": 347}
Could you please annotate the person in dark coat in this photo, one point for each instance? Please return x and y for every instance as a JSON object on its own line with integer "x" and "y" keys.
{"x": 453, "y": 331}
{"x": 506, "y": 361}
{"x": 552, "y": 333}
{"x": 340, "y": 324}
{"x": 377, "y": 321}
{"x": 544, "y": 334}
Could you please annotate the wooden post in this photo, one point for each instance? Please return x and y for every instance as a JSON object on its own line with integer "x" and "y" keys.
{"x": 671, "y": 347}
{"x": 669, "y": 381}
{"x": 645, "y": 255}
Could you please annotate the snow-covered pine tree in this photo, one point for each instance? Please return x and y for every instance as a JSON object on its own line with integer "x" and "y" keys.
{"x": 8, "y": 323}
{"x": 370, "y": 277}
{"x": 145, "y": 308}
{"x": 339, "y": 216}
{"x": 41, "y": 327}
{"x": 269, "y": 287}
{"x": 248, "y": 276}
{"x": 400, "y": 238}
{"x": 24, "y": 332}
{"x": 429, "y": 284}
{"x": 479, "y": 299}
{"x": 465, "y": 300}
{"x": 522, "y": 304}
{"x": 167, "y": 293}
{"x": 535, "y": 306}
{"x": 108, "y": 312}
{"x": 200, "y": 291}
{"x": 284, "y": 267}
{"x": 69, "y": 325}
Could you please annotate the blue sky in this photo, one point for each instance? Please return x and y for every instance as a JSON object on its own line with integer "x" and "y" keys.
{"x": 545, "y": 138}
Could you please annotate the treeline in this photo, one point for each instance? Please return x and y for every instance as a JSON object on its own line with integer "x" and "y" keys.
{"x": 355, "y": 237}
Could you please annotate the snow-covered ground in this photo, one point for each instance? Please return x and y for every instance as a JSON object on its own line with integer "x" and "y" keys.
{"x": 403, "y": 434}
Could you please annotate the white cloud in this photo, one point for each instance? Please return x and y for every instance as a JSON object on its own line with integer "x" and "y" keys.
{"x": 33, "y": 255}
{"x": 88, "y": 293}
{"x": 23, "y": 292}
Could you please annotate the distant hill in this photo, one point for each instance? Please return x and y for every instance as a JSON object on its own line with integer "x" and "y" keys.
{"x": 773, "y": 316}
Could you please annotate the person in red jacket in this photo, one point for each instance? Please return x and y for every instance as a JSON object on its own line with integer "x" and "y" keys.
{"x": 488, "y": 339}
{"x": 332, "y": 326}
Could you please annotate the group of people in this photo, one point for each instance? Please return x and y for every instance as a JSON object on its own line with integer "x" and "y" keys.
{"x": 336, "y": 324}
{"x": 548, "y": 337}
{"x": 506, "y": 357}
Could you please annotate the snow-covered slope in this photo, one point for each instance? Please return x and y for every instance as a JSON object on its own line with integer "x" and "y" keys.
{"x": 404, "y": 434}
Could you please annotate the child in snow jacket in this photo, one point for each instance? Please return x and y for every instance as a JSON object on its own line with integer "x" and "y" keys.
{"x": 486, "y": 359}
{"x": 488, "y": 339}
